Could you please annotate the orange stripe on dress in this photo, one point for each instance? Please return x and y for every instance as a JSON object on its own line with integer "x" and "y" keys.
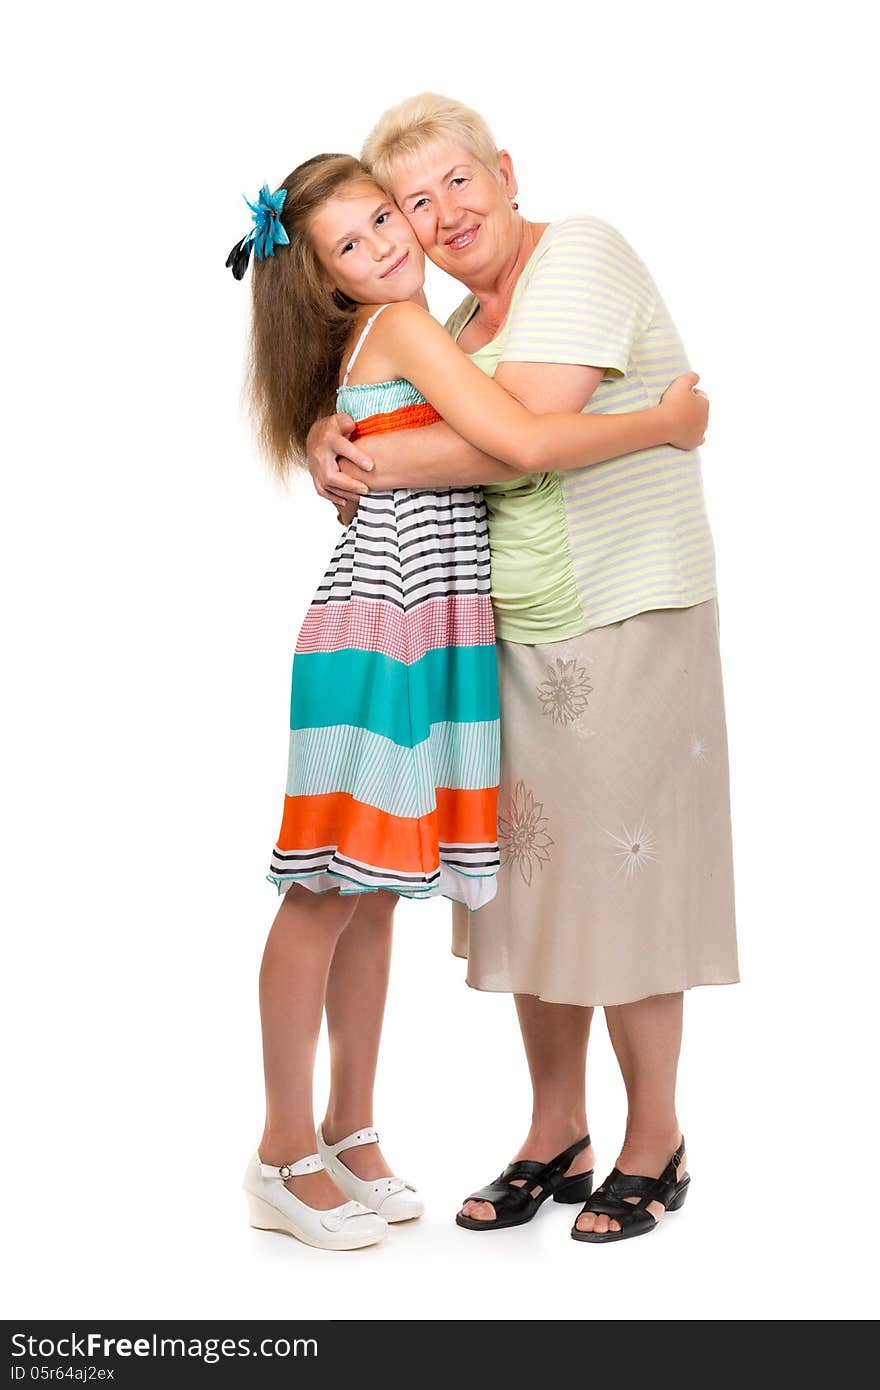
{"x": 408, "y": 417}
{"x": 385, "y": 841}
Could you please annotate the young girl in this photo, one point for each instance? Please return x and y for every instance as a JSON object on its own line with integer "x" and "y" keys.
{"x": 393, "y": 765}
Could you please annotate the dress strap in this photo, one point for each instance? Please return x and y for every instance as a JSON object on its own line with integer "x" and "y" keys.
{"x": 360, "y": 342}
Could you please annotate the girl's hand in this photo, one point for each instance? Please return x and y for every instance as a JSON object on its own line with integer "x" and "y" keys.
{"x": 327, "y": 442}
{"x": 346, "y": 512}
{"x": 687, "y": 410}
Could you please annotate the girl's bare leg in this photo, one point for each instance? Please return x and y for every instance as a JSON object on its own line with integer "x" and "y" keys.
{"x": 356, "y": 993}
{"x": 293, "y": 985}
{"x": 555, "y": 1038}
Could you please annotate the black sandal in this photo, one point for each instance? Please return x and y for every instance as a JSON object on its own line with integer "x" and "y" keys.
{"x": 634, "y": 1218}
{"x": 514, "y": 1206}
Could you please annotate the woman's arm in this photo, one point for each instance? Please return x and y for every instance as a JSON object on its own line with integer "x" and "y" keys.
{"x": 483, "y": 412}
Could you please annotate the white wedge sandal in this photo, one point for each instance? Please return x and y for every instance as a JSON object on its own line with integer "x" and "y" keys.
{"x": 273, "y": 1207}
{"x": 393, "y": 1198}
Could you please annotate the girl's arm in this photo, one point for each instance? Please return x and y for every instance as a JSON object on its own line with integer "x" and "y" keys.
{"x": 435, "y": 456}
{"x": 483, "y": 412}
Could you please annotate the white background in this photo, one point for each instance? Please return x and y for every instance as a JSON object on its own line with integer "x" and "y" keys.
{"x": 155, "y": 580}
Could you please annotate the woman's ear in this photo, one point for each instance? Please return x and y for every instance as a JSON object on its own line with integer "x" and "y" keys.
{"x": 506, "y": 176}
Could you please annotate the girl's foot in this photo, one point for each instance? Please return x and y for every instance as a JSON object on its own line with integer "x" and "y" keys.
{"x": 358, "y": 1166}
{"x": 364, "y": 1160}
{"x": 642, "y": 1160}
{"x": 541, "y": 1145}
{"x": 317, "y": 1190}
{"x": 274, "y": 1206}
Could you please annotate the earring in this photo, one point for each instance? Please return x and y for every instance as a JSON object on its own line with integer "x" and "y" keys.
{"x": 514, "y": 205}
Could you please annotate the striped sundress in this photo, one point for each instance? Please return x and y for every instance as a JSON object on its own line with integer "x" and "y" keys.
{"x": 394, "y": 757}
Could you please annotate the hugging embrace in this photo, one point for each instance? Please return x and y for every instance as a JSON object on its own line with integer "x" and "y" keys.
{"x": 507, "y": 689}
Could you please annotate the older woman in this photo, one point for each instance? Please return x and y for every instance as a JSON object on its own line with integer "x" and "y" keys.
{"x": 617, "y": 886}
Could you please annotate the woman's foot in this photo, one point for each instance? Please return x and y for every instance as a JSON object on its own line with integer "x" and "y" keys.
{"x": 541, "y": 1145}
{"x": 638, "y": 1159}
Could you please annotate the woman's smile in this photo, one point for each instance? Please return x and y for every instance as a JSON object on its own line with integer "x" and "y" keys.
{"x": 463, "y": 239}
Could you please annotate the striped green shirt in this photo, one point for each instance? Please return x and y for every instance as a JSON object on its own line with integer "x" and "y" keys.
{"x": 576, "y": 550}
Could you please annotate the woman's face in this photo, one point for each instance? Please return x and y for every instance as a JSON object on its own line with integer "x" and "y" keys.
{"x": 458, "y": 209}
{"x": 367, "y": 247}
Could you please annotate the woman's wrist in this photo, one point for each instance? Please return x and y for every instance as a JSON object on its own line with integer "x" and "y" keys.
{"x": 662, "y": 420}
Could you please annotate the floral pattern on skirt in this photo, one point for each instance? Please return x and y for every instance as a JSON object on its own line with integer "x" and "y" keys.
{"x": 613, "y": 817}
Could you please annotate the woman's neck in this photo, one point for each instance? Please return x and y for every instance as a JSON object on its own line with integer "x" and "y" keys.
{"x": 495, "y": 290}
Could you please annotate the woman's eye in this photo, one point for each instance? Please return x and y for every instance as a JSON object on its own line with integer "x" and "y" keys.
{"x": 418, "y": 203}
{"x": 459, "y": 178}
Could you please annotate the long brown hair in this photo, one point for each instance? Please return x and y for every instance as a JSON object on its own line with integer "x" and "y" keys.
{"x": 299, "y": 327}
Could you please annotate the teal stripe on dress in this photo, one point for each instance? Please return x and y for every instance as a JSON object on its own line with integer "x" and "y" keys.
{"x": 377, "y": 398}
{"x": 372, "y": 691}
{"x": 466, "y": 755}
{"x": 400, "y": 781}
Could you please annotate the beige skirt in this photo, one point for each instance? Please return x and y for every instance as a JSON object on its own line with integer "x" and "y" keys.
{"x": 613, "y": 817}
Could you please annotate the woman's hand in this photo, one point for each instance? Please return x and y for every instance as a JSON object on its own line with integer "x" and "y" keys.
{"x": 327, "y": 442}
{"x": 687, "y": 410}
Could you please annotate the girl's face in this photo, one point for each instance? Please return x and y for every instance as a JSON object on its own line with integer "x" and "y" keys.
{"x": 366, "y": 246}
{"x": 458, "y": 209}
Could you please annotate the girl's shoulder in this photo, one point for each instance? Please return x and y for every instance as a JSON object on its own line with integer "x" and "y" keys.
{"x": 404, "y": 311}
{"x": 381, "y": 320}
{"x": 376, "y": 346}
{"x": 395, "y": 324}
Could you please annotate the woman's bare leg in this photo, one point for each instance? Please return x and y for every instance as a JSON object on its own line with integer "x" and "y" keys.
{"x": 646, "y": 1037}
{"x": 356, "y": 993}
{"x": 555, "y": 1037}
{"x": 293, "y": 985}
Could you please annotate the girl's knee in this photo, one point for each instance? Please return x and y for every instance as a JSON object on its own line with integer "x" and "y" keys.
{"x": 331, "y": 909}
{"x": 375, "y": 908}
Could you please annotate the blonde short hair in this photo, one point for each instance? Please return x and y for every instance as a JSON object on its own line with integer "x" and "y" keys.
{"x": 413, "y": 124}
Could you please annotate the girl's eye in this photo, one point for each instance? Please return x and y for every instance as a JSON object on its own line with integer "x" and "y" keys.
{"x": 383, "y": 217}
{"x": 349, "y": 245}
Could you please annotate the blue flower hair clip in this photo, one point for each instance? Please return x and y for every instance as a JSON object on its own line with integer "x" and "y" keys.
{"x": 266, "y": 233}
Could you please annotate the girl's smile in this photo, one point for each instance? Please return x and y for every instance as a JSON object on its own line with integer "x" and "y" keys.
{"x": 398, "y": 265}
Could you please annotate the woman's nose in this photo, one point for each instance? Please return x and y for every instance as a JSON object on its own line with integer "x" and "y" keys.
{"x": 448, "y": 211}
